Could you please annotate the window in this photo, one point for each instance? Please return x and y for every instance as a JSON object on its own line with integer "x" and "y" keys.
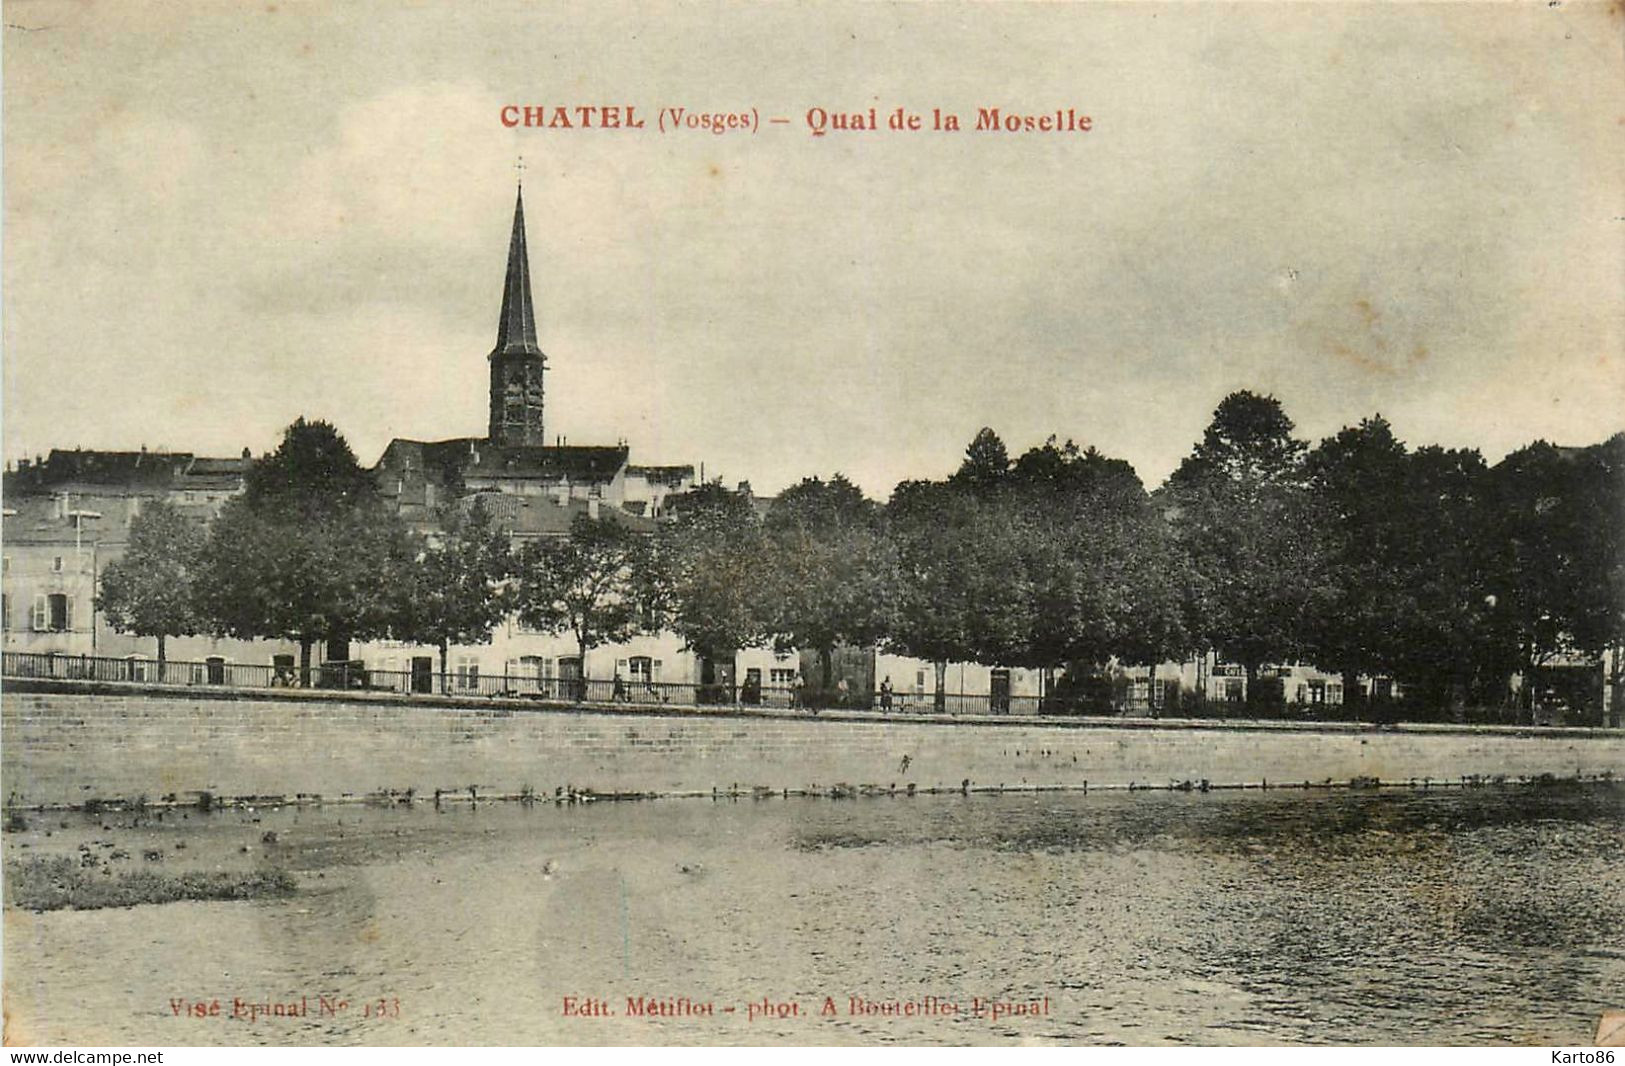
{"x": 5, "y": 612}
{"x": 919, "y": 682}
{"x": 640, "y": 669}
{"x": 531, "y": 671}
{"x": 56, "y": 564}
{"x": 468, "y": 672}
{"x": 1334, "y": 693}
{"x": 59, "y": 611}
{"x": 5, "y": 563}
{"x": 1317, "y": 692}
{"x": 1233, "y": 689}
{"x": 781, "y": 678}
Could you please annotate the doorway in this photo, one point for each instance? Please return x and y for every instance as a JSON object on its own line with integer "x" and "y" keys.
{"x": 422, "y": 673}
{"x": 999, "y": 691}
{"x": 572, "y": 683}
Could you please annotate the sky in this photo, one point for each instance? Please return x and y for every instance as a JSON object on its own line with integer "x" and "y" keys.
{"x": 218, "y": 218}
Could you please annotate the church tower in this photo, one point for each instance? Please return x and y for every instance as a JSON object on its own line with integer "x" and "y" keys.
{"x": 517, "y": 361}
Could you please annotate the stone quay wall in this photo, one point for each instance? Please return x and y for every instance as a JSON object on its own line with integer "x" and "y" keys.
{"x": 66, "y": 743}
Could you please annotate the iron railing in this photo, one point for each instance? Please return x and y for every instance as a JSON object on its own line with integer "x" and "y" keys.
{"x": 634, "y": 691}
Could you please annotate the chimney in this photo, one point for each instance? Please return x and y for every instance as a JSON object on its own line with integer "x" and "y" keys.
{"x": 592, "y": 509}
{"x": 246, "y": 453}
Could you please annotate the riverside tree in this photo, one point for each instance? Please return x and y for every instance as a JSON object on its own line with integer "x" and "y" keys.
{"x": 149, "y": 590}
{"x": 457, "y": 590}
{"x": 1555, "y": 553}
{"x": 704, "y": 573}
{"x": 1056, "y": 559}
{"x": 956, "y": 556}
{"x": 831, "y": 575}
{"x": 1243, "y": 517}
{"x": 308, "y": 552}
{"x": 1402, "y": 534}
{"x": 1101, "y": 564}
{"x": 589, "y": 584}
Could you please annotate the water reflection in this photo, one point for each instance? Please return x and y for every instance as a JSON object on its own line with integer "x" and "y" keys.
{"x": 1380, "y": 917}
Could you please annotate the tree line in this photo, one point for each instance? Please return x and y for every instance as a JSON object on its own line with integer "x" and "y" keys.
{"x": 1359, "y": 554}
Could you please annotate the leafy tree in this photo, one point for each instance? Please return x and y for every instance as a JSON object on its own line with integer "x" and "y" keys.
{"x": 313, "y": 471}
{"x": 1556, "y": 552}
{"x": 309, "y": 551}
{"x": 1440, "y": 636}
{"x": 456, "y": 592}
{"x": 1249, "y": 443}
{"x": 1251, "y": 531}
{"x": 149, "y": 590}
{"x": 1401, "y": 534}
{"x": 1056, "y": 558}
{"x": 961, "y": 590}
{"x": 1357, "y": 475}
{"x": 831, "y": 573}
{"x": 586, "y": 584}
{"x": 705, "y": 572}
{"x": 986, "y": 460}
{"x": 1102, "y": 563}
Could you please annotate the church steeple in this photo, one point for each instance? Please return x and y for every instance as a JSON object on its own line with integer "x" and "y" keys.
{"x": 517, "y": 362}
{"x": 516, "y": 329}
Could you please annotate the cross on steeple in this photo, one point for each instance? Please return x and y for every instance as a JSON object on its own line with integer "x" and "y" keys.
{"x": 519, "y": 168}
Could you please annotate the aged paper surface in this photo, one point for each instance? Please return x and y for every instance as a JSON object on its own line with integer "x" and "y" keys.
{"x": 771, "y": 242}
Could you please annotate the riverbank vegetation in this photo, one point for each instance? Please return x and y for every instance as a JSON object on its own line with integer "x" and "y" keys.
{"x": 49, "y": 884}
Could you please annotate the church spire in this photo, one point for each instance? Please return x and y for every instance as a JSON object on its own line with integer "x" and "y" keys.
{"x": 517, "y": 362}
{"x": 516, "y": 328}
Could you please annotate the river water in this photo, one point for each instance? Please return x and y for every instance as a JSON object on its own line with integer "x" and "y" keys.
{"x": 1486, "y": 916}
